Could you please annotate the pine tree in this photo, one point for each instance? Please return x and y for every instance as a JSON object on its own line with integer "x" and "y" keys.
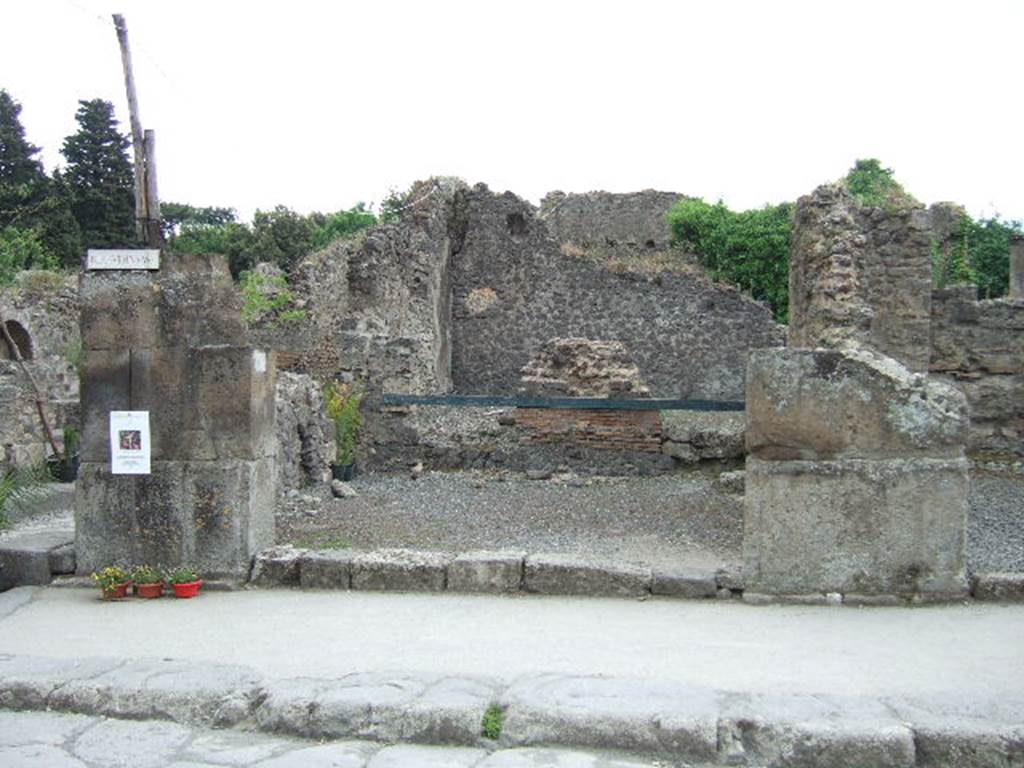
{"x": 36, "y": 227}
{"x": 99, "y": 177}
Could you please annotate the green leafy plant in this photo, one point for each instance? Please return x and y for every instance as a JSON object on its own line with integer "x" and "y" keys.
{"x": 493, "y": 722}
{"x": 110, "y": 577}
{"x": 268, "y": 300}
{"x": 181, "y": 576}
{"x": 72, "y": 438}
{"x": 874, "y": 185}
{"x": 145, "y": 574}
{"x": 749, "y": 249}
{"x": 342, "y": 402}
{"x": 19, "y": 488}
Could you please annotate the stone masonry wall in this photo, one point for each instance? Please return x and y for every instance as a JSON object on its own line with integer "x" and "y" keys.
{"x": 633, "y": 220}
{"x": 45, "y": 307}
{"x": 979, "y": 347}
{"x": 377, "y": 306}
{"x": 513, "y": 290}
{"x": 861, "y": 274}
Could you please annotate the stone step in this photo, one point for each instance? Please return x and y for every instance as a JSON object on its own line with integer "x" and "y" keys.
{"x": 35, "y": 556}
{"x": 483, "y": 722}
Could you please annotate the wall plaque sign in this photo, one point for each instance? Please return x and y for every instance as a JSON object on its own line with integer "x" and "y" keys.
{"x": 127, "y": 258}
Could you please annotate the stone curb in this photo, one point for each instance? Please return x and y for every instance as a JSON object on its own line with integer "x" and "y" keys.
{"x": 555, "y": 573}
{"x": 641, "y": 717}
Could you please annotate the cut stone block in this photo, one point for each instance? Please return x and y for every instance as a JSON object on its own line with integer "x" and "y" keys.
{"x": 856, "y": 526}
{"x": 231, "y": 391}
{"x": 326, "y": 569}
{"x": 276, "y": 567}
{"x": 400, "y": 570}
{"x": 486, "y": 572}
{"x": 567, "y": 574}
{"x": 998, "y": 586}
{"x": 826, "y": 404}
{"x": 683, "y": 582}
{"x": 106, "y": 386}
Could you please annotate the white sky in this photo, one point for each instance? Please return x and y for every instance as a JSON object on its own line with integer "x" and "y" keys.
{"x": 317, "y": 105}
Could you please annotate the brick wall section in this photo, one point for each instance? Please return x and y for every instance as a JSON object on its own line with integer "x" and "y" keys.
{"x": 607, "y": 429}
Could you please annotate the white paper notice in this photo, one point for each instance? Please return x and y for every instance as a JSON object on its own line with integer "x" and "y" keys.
{"x": 129, "y": 443}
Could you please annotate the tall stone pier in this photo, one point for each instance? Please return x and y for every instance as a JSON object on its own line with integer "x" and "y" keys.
{"x": 171, "y": 342}
{"x": 856, "y": 477}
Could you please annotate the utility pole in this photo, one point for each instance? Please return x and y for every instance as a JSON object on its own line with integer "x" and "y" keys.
{"x": 147, "y": 204}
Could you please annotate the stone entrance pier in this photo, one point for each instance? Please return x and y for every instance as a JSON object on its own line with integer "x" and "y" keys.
{"x": 856, "y": 479}
{"x": 172, "y": 342}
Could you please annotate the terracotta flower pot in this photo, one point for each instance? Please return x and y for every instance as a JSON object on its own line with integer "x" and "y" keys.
{"x": 117, "y": 592}
{"x": 190, "y": 589}
{"x": 149, "y": 591}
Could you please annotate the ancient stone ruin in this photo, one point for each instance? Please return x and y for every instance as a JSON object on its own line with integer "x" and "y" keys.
{"x": 857, "y": 481}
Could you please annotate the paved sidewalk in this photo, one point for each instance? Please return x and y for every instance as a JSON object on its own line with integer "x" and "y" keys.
{"x": 686, "y": 682}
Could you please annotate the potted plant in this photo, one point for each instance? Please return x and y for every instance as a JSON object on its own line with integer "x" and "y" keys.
{"x": 64, "y": 468}
{"x": 185, "y": 582}
{"x": 149, "y": 582}
{"x": 342, "y": 401}
{"x": 113, "y": 582}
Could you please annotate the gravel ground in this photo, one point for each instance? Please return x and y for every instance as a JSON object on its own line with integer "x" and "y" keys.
{"x": 668, "y": 519}
{"x": 680, "y": 520}
{"x": 995, "y": 526}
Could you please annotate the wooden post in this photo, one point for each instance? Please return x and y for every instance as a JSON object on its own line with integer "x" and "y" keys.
{"x": 138, "y": 141}
{"x": 154, "y": 235}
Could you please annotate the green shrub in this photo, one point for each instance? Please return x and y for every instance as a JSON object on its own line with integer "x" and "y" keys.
{"x": 342, "y": 402}
{"x": 749, "y": 249}
{"x": 268, "y": 300}
{"x": 874, "y": 185}
{"x": 342, "y": 224}
{"x": 20, "y": 249}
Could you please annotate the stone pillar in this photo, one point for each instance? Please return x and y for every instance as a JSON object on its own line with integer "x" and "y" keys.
{"x": 1017, "y": 267}
{"x": 856, "y": 477}
{"x": 862, "y": 275}
{"x": 172, "y": 342}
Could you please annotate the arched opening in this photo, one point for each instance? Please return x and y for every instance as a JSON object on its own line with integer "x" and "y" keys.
{"x": 20, "y": 337}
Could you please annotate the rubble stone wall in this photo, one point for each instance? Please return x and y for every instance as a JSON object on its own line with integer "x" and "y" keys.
{"x": 862, "y": 275}
{"x": 979, "y": 347}
{"x": 688, "y": 336}
{"x": 635, "y": 220}
{"x": 45, "y": 308}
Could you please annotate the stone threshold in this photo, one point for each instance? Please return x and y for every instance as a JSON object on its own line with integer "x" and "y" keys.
{"x": 518, "y": 572}
{"x": 653, "y": 719}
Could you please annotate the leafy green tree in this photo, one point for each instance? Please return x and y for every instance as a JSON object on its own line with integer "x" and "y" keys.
{"x": 281, "y": 236}
{"x": 988, "y": 248}
{"x": 31, "y": 202}
{"x": 174, "y": 216}
{"x": 99, "y": 177}
{"x": 21, "y": 248}
{"x": 749, "y": 249}
{"x": 232, "y": 239}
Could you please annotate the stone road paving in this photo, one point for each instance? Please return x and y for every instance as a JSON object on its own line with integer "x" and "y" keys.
{"x": 55, "y": 740}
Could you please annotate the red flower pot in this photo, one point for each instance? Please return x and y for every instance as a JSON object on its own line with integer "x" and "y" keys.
{"x": 149, "y": 591}
{"x": 191, "y": 589}
{"x": 119, "y": 592}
